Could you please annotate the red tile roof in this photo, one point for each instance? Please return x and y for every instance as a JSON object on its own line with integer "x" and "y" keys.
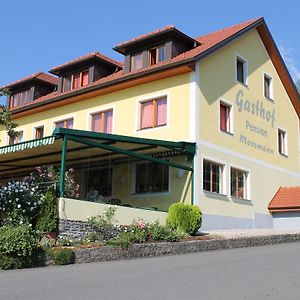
{"x": 147, "y": 35}
{"x": 154, "y": 34}
{"x": 87, "y": 57}
{"x": 286, "y": 199}
{"x": 39, "y": 75}
{"x": 209, "y": 43}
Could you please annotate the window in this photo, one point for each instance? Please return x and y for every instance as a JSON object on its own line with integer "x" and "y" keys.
{"x": 267, "y": 86}
{"x": 153, "y": 113}
{"x": 241, "y": 70}
{"x": 39, "y": 132}
{"x": 136, "y": 61}
{"x": 225, "y": 112}
{"x": 212, "y": 177}
{"x": 238, "y": 183}
{"x": 102, "y": 121}
{"x": 16, "y": 139}
{"x": 282, "y": 142}
{"x": 99, "y": 180}
{"x": 65, "y": 124}
{"x": 151, "y": 178}
{"x": 156, "y": 55}
{"x": 76, "y": 80}
{"x": 20, "y": 98}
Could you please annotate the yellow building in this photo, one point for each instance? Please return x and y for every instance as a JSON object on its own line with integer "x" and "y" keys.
{"x": 212, "y": 121}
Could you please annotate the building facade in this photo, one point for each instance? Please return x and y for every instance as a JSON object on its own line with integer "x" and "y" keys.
{"x": 226, "y": 94}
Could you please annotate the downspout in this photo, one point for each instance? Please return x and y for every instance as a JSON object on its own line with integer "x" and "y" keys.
{"x": 195, "y": 133}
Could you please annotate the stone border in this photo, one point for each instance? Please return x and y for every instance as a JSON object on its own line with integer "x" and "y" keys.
{"x": 109, "y": 253}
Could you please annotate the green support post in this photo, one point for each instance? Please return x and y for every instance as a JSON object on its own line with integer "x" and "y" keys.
{"x": 63, "y": 166}
{"x": 192, "y": 187}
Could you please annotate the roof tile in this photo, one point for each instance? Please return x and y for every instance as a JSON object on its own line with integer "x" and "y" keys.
{"x": 86, "y": 57}
{"x": 286, "y": 199}
{"x": 39, "y": 75}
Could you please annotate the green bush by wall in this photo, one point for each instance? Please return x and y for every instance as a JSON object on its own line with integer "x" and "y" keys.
{"x": 184, "y": 217}
{"x": 47, "y": 219}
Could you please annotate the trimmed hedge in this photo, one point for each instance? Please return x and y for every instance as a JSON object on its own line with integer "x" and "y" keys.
{"x": 185, "y": 217}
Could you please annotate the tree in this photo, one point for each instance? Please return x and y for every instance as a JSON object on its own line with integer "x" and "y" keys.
{"x": 6, "y": 117}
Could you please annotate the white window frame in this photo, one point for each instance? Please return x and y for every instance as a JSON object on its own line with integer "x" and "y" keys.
{"x": 231, "y": 118}
{"x": 247, "y": 192}
{"x": 285, "y": 145}
{"x": 34, "y": 130}
{"x": 223, "y": 177}
{"x": 133, "y": 183}
{"x": 17, "y": 130}
{"x": 271, "y": 91}
{"x": 245, "y": 68}
{"x": 60, "y": 119}
{"x": 139, "y": 102}
{"x": 98, "y": 111}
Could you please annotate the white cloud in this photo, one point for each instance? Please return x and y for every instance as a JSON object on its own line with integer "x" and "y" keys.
{"x": 287, "y": 54}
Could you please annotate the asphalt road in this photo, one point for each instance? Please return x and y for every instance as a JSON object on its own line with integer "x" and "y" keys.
{"x": 268, "y": 272}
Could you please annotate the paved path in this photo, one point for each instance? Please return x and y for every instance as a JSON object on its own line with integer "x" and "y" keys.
{"x": 268, "y": 272}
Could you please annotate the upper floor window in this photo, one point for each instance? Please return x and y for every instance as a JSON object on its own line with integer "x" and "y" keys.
{"x": 76, "y": 80}
{"x": 154, "y": 113}
{"x": 16, "y": 139}
{"x": 151, "y": 178}
{"x": 39, "y": 132}
{"x": 241, "y": 70}
{"x": 225, "y": 117}
{"x": 20, "y": 98}
{"x": 156, "y": 55}
{"x": 102, "y": 121}
{"x": 238, "y": 183}
{"x": 68, "y": 123}
{"x": 136, "y": 61}
{"x": 268, "y": 86}
{"x": 282, "y": 142}
{"x": 212, "y": 177}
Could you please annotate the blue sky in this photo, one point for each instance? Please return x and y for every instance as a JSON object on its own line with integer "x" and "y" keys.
{"x": 38, "y": 35}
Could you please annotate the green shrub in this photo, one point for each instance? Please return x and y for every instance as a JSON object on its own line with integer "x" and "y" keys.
{"x": 184, "y": 217}
{"x": 19, "y": 247}
{"x": 63, "y": 256}
{"x": 165, "y": 233}
{"x": 8, "y": 262}
{"x": 126, "y": 238}
{"x": 103, "y": 225}
{"x": 47, "y": 219}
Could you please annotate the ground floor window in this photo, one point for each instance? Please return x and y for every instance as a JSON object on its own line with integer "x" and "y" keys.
{"x": 238, "y": 183}
{"x": 212, "y": 177}
{"x": 151, "y": 178}
{"x": 99, "y": 183}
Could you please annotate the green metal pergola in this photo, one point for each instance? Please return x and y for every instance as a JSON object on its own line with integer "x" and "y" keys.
{"x": 55, "y": 149}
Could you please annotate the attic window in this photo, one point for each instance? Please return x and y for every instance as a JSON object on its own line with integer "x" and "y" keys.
{"x": 136, "y": 61}
{"x": 156, "y": 55}
{"x": 20, "y": 98}
{"x": 76, "y": 80}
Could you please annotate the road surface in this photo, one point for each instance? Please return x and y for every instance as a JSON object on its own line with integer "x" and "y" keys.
{"x": 268, "y": 272}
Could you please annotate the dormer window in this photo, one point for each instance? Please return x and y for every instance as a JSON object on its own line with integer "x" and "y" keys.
{"x": 76, "y": 80}
{"x": 20, "y": 98}
{"x": 136, "y": 61}
{"x": 156, "y": 55}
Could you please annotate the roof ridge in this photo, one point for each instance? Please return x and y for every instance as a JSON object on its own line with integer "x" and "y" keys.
{"x": 141, "y": 36}
{"x": 242, "y": 24}
{"x": 28, "y": 77}
{"x": 84, "y": 57}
